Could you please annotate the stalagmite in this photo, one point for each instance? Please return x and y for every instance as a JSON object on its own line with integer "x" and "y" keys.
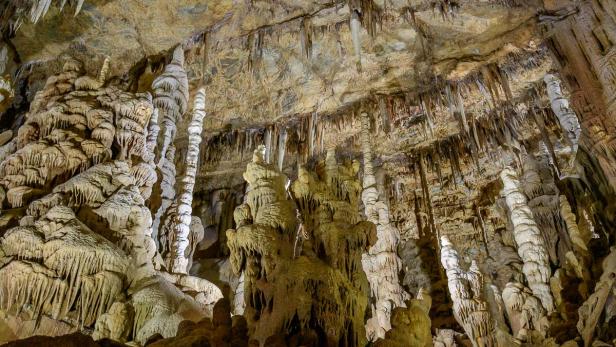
{"x": 327, "y": 289}
{"x": 524, "y": 311}
{"x": 381, "y": 263}
{"x": 177, "y": 260}
{"x": 531, "y": 246}
{"x": 466, "y": 290}
{"x": 171, "y": 101}
{"x": 89, "y": 83}
{"x": 410, "y": 324}
{"x": 593, "y": 308}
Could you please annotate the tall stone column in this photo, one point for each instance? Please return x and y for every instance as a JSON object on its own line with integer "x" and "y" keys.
{"x": 530, "y": 243}
{"x": 381, "y": 263}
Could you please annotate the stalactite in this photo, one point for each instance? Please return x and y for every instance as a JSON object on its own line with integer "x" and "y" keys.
{"x": 282, "y": 148}
{"x": 566, "y": 117}
{"x": 305, "y": 34}
{"x": 268, "y": 145}
{"x": 355, "y": 25}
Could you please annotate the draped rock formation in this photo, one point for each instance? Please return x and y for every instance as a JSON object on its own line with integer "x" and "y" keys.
{"x": 329, "y": 294}
{"x": 466, "y": 290}
{"x": 381, "y": 263}
{"x": 530, "y": 243}
{"x": 85, "y": 236}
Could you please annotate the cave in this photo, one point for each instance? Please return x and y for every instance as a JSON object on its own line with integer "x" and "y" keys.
{"x": 280, "y": 173}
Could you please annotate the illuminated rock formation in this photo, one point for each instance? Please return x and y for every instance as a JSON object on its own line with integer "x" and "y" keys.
{"x": 170, "y": 91}
{"x": 566, "y": 116}
{"x": 88, "y": 239}
{"x": 179, "y": 215}
{"x": 530, "y": 243}
{"x": 484, "y": 132}
{"x": 591, "y": 311}
{"x": 524, "y": 312}
{"x": 381, "y": 263}
{"x": 329, "y": 293}
{"x": 410, "y": 324}
{"x": 466, "y": 290}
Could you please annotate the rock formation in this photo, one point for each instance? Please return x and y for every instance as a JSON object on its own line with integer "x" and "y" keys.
{"x": 410, "y": 324}
{"x": 86, "y": 240}
{"x": 531, "y": 245}
{"x": 466, "y": 290}
{"x": 179, "y": 215}
{"x": 381, "y": 263}
{"x": 330, "y": 295}
{"x": 171, "y": 101}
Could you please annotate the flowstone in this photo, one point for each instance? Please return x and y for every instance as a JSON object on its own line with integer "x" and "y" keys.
{"x": 81, "y": 252}
{"x": 320, "y": 291}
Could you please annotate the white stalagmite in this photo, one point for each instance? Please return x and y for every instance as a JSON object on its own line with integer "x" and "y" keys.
{"x": 171, "y": 100}
{"x": 530, "y": 243}
{"x": 566, "y": 116}
{"x": 177, "y": 261}
{"x": 153, "y": 130}
{"x": 524, "y": 311}
{"x": 470, "y": 307}
{"x": 381, "y": 263}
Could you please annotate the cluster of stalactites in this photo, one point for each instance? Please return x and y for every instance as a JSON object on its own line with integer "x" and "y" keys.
{"x": 18, "y": 11}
